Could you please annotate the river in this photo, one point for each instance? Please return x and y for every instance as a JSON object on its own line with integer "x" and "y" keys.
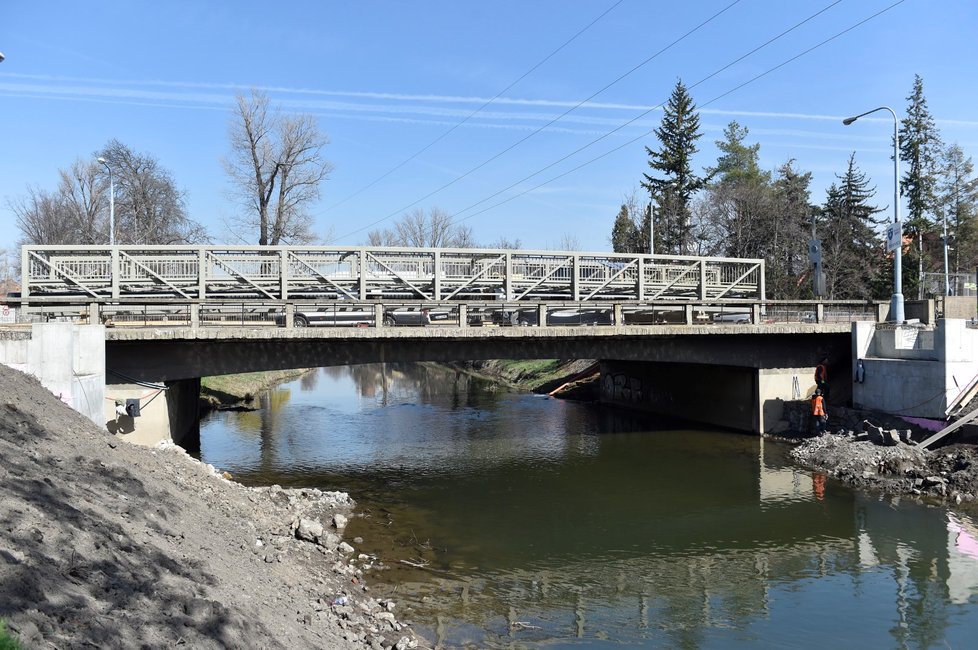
{"x": 507, "y": 520}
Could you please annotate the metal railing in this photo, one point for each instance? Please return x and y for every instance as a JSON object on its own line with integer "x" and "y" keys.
{"x": 102, "y": 273}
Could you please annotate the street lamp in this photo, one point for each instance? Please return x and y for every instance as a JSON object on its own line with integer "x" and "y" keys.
{"x": 896, "y": 302}
{"x": 111, "y": 203}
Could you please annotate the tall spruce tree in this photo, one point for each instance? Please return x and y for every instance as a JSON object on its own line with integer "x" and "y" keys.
{"x": 958, "y": 203}
{"x": 920, "y": 150}
{"x": 672, "y": 182}
{"x": 788, "y": 264}
{"x": 851, "y": 248}
{"x": 624, "y": 234}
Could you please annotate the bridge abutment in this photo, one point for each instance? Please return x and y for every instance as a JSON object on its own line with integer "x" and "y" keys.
{"x": 165, "y": 411}
{"x": 742, "y": 398}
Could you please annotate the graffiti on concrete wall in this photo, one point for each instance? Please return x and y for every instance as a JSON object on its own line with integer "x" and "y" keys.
{"x": 621, "y": 388}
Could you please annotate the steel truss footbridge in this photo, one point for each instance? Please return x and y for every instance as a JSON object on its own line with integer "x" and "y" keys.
{"x": 288, "y": 273}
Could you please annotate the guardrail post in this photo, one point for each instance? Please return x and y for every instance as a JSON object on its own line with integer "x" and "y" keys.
{"x": 640, "y": 288}
{"x": 378, "y": 315}
{"x": 289, "y": 316}
{"x": 93, "y": 313}
{"x": 114, "y": 252}
{"x": 819, "y": 313}
{"x": 362, "y": 273}
{"x": 542, "y": 315}
{"x": 194, "y": 315}
{"x": 702, "y": 265}
{"x": 619, "y": 317}
{"x": 283, "y": 274}
{"x": 755, "y": 314}
{"x": 463, "y": 316}
{"x": 688, "y": 312}
{"x": 437, "y": 278}
{"x": 201, "y": 273}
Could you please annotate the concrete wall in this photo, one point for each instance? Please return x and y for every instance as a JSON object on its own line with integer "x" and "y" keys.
{"x": 169, "y": 413}
{"x": 68, "y": 360}
{"x": 964, "y": 307}
{"x": 909, "y": 371}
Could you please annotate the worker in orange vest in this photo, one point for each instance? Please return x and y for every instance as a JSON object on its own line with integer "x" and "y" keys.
{"x": 819, "y": 418}
{"x": 822, "y": 377}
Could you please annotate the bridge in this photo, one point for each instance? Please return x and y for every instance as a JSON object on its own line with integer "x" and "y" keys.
{"x": 693, "y": 337}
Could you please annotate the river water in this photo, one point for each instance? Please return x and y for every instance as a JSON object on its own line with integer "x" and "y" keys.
{"x": 509, "y": 520}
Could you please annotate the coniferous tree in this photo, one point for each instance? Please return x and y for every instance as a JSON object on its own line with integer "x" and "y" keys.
{"x": 624, "y": 234}
{"x": 958, "y": 203}
{"x": 673, "y": 182}
{"x": 920, "y": 148}
{"x": 851, "y": 249}
{"x": 789, "y": 264}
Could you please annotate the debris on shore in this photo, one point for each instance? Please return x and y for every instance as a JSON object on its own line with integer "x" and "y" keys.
{"x": 106, "y": 544}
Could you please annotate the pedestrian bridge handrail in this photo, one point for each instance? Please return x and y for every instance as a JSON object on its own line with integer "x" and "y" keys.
{"x": 101, "y": 273}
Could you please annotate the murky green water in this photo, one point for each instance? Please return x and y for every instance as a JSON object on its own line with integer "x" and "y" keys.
{"x": 512, "y": 520}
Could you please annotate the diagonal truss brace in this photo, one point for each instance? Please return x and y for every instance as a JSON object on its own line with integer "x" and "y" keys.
{"x": 477, "y": 275}
{"x": 293, "y": 256}
{"x": 67, "y": 276}
{"x": 230, "y": 269}
{"x": 737, "y": 281}
{"x": 563, "y": 264}
{"x": 612, "y": 278}
{"x": 398, "y": 276}
{"x": 154, "y": 275}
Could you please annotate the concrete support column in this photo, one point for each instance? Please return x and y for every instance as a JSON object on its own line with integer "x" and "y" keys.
{"x": 755, "y": 314}
{"x": 463, "y": 316}
{"x": 688, "y": 314}
{"x": 618, "y": 317}
{"x": 93, "y": 313}
{"x": 378, "y": 315}
{"x": 289, "y": 315}
{"x": 819, "y": 313}
{"x": 542, "y": 315}
{"x": 194, "y": 315}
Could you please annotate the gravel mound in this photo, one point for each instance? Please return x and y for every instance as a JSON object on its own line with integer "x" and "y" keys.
{"x": 107, "y": 545}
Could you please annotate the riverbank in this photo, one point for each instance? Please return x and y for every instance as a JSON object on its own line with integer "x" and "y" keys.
{"x": 105, "y": 544}
{"x": 241, "y": 390}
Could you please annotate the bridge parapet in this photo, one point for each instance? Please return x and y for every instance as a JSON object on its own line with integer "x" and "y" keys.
{"x": 361, "y": 273}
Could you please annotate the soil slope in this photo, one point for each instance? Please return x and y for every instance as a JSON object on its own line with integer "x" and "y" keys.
{"x": 107, "y": 545}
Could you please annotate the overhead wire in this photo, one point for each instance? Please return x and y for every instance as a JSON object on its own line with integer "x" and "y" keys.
{"x": 652, "y": 109}
{"x": 476, "y": 111}
{"x": 645, "y": 134}
{"x": 550, "y": 123}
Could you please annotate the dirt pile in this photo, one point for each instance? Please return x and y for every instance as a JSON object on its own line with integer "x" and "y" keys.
{"x": 104, "y": 544}
{"x": 947, "y": 473}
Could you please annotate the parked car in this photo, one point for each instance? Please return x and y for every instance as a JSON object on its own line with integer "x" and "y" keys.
{"x": 333, "y": 315}
{"x": 732, "y": 317}
{"x": 416, "y": 316}
{"x": 526, "y": 316}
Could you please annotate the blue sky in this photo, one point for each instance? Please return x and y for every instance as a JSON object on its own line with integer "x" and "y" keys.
{"x": 387, "y": 78}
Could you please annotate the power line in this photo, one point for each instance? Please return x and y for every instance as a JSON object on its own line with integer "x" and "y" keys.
{"x": 476, "y": 111}
{"x": 718, "y": 97}
{"x": 654, "y": 108}
{"x": 548, "y": 124}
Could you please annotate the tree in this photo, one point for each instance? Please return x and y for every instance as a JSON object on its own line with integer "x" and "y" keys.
{"x": 630, "y": 233}
{"x": 420, "y": 229}
{"x": 673, "y": 186}
{"x": 276, "y": 168}
{"x": 957, "y": 201}
{"x": 920, "y": 147}
{"x": 149, "y": 209}
{"x": 788, "y": 263}
{"x": 851, "y": 249}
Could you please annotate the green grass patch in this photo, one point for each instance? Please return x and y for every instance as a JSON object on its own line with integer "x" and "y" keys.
{"x": 7, "y": 642}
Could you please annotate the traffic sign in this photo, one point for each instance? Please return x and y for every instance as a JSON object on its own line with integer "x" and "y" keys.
{"x": 894, "y": 236}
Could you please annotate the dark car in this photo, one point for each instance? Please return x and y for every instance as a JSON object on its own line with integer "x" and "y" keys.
{"x": 526, "y": 316}
{"x": 416, "y": 316}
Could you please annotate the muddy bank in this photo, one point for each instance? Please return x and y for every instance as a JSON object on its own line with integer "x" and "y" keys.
{"x": 568, "y": 379}
{"x": 105, "y": 544}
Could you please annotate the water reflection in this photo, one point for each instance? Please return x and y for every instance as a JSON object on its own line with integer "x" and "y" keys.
{"x": 544, "y": 522}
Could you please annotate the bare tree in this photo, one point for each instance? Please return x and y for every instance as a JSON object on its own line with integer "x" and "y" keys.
{"x": 432, "y": 229}
{"x": 276, "y": 167}
{"x": 75, "y": 213}
{"x": 149, "y": 209}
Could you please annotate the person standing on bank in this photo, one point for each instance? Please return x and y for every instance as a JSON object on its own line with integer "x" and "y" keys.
{"x": 819, "y": 419}
{"x": 822, "y": 377}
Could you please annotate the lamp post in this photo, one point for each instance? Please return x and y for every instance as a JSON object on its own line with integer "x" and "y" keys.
{"x": 111, "y": 203}
{"x": 896, "y": 302}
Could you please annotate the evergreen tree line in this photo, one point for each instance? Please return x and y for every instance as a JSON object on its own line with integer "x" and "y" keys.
{"x": 737, "y": 209}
